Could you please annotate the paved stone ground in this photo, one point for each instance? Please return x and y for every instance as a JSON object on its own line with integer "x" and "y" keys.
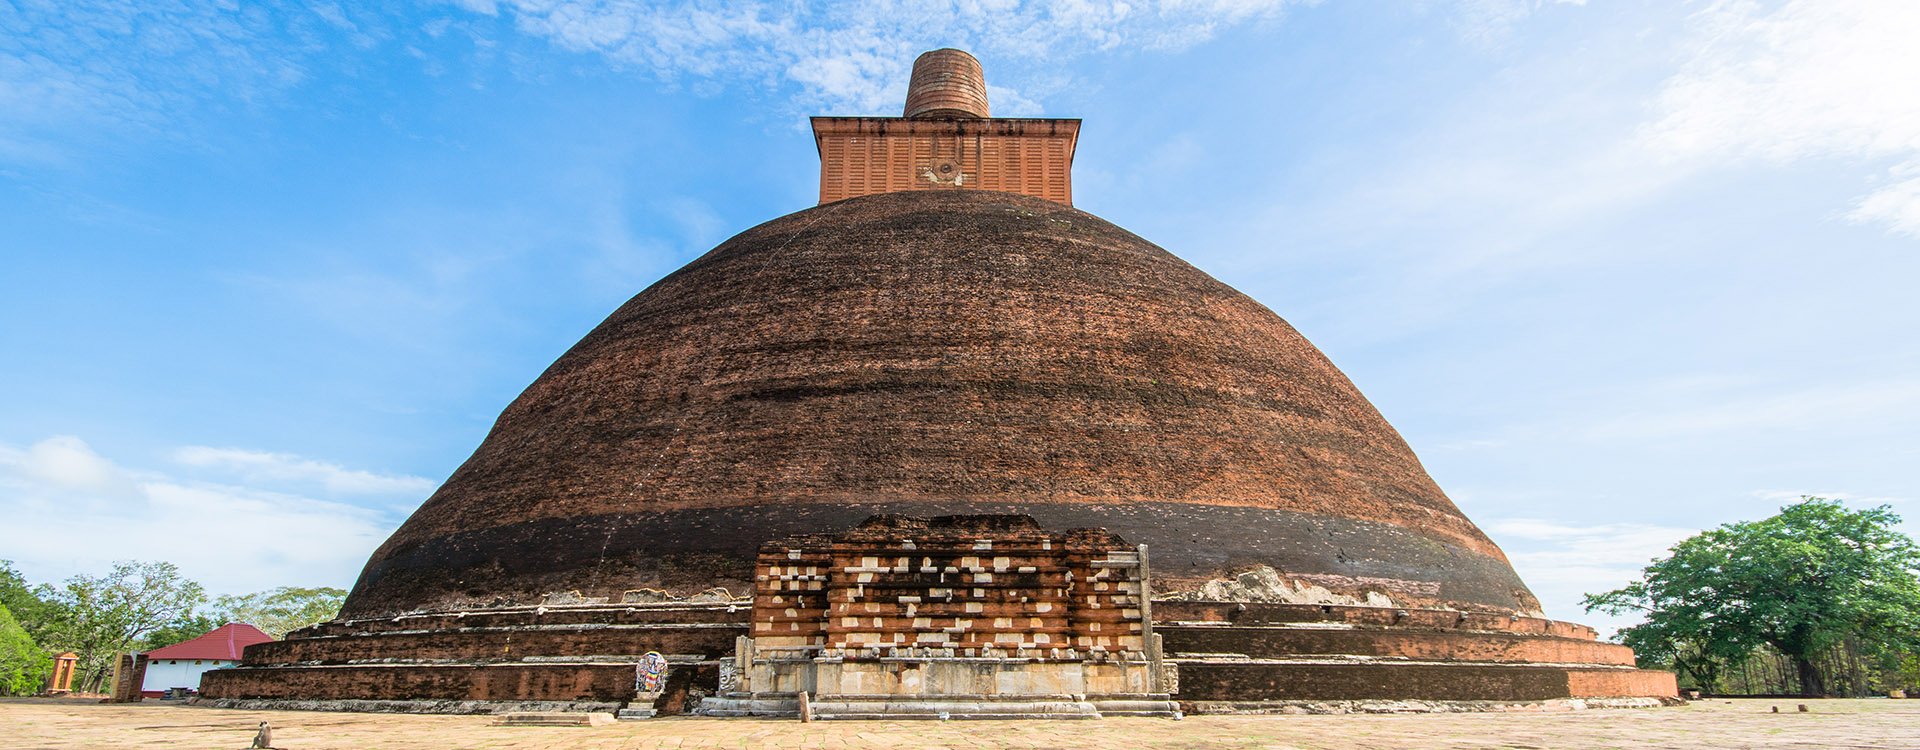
{"x": 1882, "y": 723}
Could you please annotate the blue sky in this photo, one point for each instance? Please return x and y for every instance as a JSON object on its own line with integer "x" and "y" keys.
{"x": 1617, "y": 270}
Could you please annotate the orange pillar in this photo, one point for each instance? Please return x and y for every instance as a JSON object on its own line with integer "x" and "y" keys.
{"x": 61, "y": 681}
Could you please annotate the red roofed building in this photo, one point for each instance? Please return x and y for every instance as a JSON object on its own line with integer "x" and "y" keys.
{"x": 181, "y": 665}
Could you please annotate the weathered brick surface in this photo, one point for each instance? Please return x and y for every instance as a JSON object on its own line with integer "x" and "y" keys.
{"x": 947, "y": 83}
{"x": 929, "y": 353}
{"x": 1257, "y": 613}
{"x": 1402, "y": 643}
{"x": 869, "y": 155}
{"x": 1386, "y": 681}
{"x": 464, "y": 682}
{"x": 1596, "y": 683}
{"x": 645, "y": 614}
{"x": 501, "y": 644}
{"x": 945, "y": 142}
{"x": 975, "y": 585}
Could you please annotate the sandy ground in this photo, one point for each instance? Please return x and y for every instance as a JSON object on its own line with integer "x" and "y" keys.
{"x": 1882, "y": 723}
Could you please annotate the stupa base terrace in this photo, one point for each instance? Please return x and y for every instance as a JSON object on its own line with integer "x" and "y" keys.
{"x": 961, "y": 617}
{"x": 1229, "y": 657}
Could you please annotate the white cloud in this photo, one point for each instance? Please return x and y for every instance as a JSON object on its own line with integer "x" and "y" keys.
{"x": 1804, "y": 79}
{"x": 283, "y": 467}
{"x": 70, "y": 510}
{"x": 68, "y": 463}
{"x": 1563, "y": 562}
{"x": 1896, "y": 205}
{"x": 854, "y": 56}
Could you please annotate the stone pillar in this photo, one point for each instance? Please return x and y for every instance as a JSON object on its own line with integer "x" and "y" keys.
{"x": 61, "y": 681}
{"x": 129, "y": 673}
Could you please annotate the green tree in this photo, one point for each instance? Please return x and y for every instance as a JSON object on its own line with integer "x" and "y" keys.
{"x": 103, "y": 617}
{"x": 23, "y": 664}
{"x": 282, "y": 610}
{"x": 1801, "y": 581}
{"x": 32, "y": 606}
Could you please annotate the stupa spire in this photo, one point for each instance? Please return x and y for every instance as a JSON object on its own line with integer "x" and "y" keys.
{"x": 947, "y": 84}
{"x": 946, "y": 139}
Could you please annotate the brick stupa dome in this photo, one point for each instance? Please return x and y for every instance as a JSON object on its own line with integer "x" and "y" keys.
{"x": 946, "y": 357}
{"x": 931, "y": 353}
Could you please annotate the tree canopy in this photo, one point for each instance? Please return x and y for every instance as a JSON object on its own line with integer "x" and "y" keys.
{"x": 284, "y": 609}
{"x": 101, "y": 617}
{"x": 1801, "y": 582}
{"x": 23, "y": 664}
{"x": 136, "y": 605}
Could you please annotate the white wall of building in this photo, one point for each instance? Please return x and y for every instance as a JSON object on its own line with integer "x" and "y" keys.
{"x": 172, "y": 673}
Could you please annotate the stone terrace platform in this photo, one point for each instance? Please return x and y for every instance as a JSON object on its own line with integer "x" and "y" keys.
{"x": 1235, "y": 657}
{"x": 563, "y": 657}
{"x": 1230, "y": 657}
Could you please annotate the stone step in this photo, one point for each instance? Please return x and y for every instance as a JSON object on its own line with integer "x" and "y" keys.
{"x": 1164, "y": 708}
{"x": 552, "y": 719}
{"x": 954, "y": 717}
{"x": 937, "y": 708}
{"x": 743, "y": 704}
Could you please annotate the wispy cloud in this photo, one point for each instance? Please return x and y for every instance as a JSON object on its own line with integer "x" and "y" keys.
{"x": 111, "y": 66}
{"x": 71, "y": 510}
{"x": 1562, "y": 562}
{"x": 283, "y": 467}
{"x": 1804, "y": 79}
{"x": 853, "y": 56}
{"x": 119, "y": 65}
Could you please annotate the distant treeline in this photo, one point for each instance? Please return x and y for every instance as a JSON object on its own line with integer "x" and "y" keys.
{"x": 135, "y": 606}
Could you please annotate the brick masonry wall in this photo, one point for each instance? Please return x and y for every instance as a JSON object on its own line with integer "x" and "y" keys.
{"x": 1383, "y": 681}
{"x": 870, "y": 155}
{"x": 971, "y": 585}
{"x": 504, "y": 644}
{"x": 1401, "y": 643}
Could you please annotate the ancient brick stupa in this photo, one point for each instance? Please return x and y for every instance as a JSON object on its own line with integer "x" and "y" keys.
{"x": 944, "y": 335}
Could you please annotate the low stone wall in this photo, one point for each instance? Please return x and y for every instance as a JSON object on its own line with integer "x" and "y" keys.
{"x": 560, "y": 681}
{"x": 1394, "y": 643}
{"x": 468, "y": 661}
{"x": 1251, "y": 613}
{"x": 1306, "y": 681}
{"x": 536, "y": 616}
{"x": 1254, "y": 654}
{"x": 705, "y": 640}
